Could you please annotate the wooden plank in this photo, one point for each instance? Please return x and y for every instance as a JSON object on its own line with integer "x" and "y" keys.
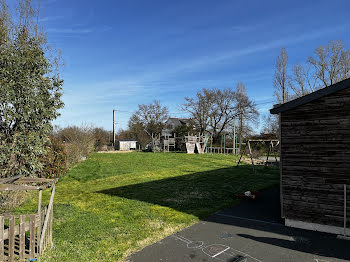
{"x": 345, "y": 207}
{"x": 32, "y": 237}
{"x": 242, "y": 153}
{"x": 9, "y": 179}
{"x": 51, "y": 227}
{"x": 12, "y": 187}
{"x": 2, "y": 257}
{"x": 251, "y": 157}
{"x": 47, "y": 215}
{"x": 17, "y": 228}
{"x": 22, "y": 233}
{"x": 39, "y": 219}
{"x": 34, "y": 180}
{"x": 11, "y": 248}
{"x": 268, "y": 154}
{"x": 263, "y": 140}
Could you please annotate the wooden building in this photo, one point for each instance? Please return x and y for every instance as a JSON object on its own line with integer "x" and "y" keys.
{"x": 315, "y": 159}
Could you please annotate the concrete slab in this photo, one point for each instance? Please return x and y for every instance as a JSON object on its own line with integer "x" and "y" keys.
{"x": 239, "y": 234}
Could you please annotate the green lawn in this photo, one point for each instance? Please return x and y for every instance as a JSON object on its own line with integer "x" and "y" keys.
{"x": 114, "y": 204}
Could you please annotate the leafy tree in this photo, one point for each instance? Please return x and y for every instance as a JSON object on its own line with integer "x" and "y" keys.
{"x": 30, "y": 92}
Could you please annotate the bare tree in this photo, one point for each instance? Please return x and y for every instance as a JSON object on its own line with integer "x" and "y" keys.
{"x": 345, "y": 65}
{"x": 331, "y": 63}
{"x": 223, "y": 110}
{"x": 199, "y": 109}
{"x": 246, "y": 110}
{"x": 303, "y": 80}
{"x": 280, "y": 80}
{"x": 212, "y": 109}
{"x": 150, "y": 116}
{"x": 270, "y": 125}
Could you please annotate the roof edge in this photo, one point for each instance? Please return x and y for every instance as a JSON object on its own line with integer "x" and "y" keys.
{"x": 311, "y": 97}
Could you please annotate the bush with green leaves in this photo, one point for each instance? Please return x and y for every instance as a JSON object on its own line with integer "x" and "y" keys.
{"x": 30, "y": 92}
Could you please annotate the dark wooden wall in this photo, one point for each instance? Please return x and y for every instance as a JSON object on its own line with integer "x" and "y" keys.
{"x": 315, "y": 155}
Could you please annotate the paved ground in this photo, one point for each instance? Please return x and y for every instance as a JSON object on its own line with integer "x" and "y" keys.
{"x": 249, "y": 232}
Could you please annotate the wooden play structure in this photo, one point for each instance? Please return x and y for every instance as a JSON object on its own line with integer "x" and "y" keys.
{"x": 169, "y": 142}
{"x": 194, "y": 142}
{"x": 163, "y": 144}
{"x": 156, "y": 143}
{"x": 224, "y": 149}
{"x": 25, "y": 237}
{"x": 271, "y": 146}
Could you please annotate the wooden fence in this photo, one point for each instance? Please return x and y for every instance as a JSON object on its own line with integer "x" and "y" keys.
{"x": 222, "y": 150}
{"x": 24, "y": 237}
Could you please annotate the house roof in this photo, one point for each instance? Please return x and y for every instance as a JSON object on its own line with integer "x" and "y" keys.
{"x": 179, "y": 120}
{"x": 311, "y": 97}
{"x": 127, "y": 140}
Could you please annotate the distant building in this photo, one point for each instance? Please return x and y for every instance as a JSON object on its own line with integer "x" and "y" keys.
{"x": 127, "y": 144}
{"x": 173, "y": 123}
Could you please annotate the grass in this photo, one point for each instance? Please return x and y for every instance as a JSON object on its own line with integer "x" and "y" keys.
{"x": 114, "y": 204}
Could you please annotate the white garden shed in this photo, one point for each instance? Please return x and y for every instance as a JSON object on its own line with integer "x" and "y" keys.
{"x": 127, "y": 145}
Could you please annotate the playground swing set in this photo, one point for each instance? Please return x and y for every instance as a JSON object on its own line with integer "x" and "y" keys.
{"x": 270, "y": 145}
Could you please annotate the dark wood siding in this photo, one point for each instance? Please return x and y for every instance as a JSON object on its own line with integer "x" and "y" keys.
{"x": 315, "y": 155}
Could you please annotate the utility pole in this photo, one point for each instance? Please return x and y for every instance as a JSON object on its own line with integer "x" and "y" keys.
{"x": 240, "y": 131}
{"x": 234, "y": 136}
{"x": 114, "y": 128}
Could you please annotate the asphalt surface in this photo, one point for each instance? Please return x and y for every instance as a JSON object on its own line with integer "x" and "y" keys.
{"x": 249, "y": 232}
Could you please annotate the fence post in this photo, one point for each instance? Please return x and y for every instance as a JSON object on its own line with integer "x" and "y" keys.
{"x": 39, "y": 218}
{"x": 22, "y": 232}
{"x": 224, "y": 144}
{"x": 2, "y": 239}
{"x": 32, "y": 236}
{"x": 11, "y": 235}
{"x": 47, "y": 217}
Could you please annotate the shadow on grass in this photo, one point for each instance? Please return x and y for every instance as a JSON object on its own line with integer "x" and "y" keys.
{"x": 203, "y": 193}
{"x": 199, "y": 194}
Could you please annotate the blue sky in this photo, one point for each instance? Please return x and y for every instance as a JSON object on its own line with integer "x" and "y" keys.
{"x": 119, "y": 54}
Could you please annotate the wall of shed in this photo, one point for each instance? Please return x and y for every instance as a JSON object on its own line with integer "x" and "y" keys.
{"x": 127, "y": 145}
{"x": 315, "y": 155}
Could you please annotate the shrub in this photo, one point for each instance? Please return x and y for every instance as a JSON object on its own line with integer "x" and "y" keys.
{"x": 79, "y": 142}
{"x": 102, "y": 138}
{"x": 55, "y": 162}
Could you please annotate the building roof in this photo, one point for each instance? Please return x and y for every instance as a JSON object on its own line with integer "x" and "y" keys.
{"x": 311, "y": 97}
{"x": 179, "y": 120}
{"x": 127, "y": 140}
